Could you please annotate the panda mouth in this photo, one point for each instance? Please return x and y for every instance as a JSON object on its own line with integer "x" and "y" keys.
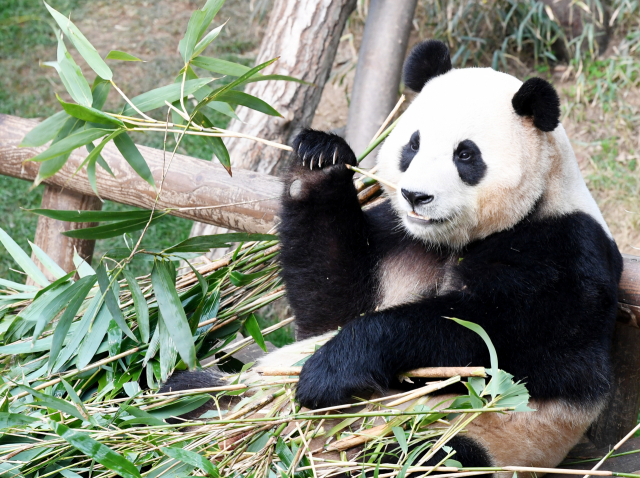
{"x": 413, "y": 216}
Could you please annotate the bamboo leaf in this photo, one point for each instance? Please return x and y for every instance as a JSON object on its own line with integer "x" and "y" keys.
{"x": 23, "y": 260}
{"x": 223, "y": 108}
{"x": 64, "y": 323}
{"x": 190, "y": 38}
{"x": 208, "y": 242}
{"x": 14, "y": 420}
{"x": 14, "y": 285}
{"x": 71, "y": 76}
{"x": 114, "y": 338}
{"x": 84, "y": 47}
{"x": 191, "y": 458}
{"x": 122, "y": 56}
{"x": 140, "y": 305}
{"x": 94, "y": 338}
{"x": 71, "y": 142}
{"x": 91, "y": 216}
{"x": 87, "y": 113}
{"x": 401, "y": 438}
{"x": 244, "y": 99}
{"x": 74, "y": 397}
{"x": 51, "y": 166}
{"x": 172, "y": 312}
{"x": 53, "y": 402}
{"x": 492, "y": 350}
{"x": 45, "y": 131}
{"x": 111, "y": 300}
{"x": 251, "y": 324}
{"x": 111, "y": 230}
{"x": 180, "y": 406}
{"x": 239, "y": 279}
{"x": 99, "y": 92}
{"x": 221, "y": 67}
{"x": 130, "y": 151}
{"x": 168, "y": 350}
{"x": 47, "y": 262}
{"x": 211, "y": 8}
{"x": 99, "y": 452}
{"x": 256, "y": 78}
{"x": 156, "y": 98}
{"x": 82, "y": 267}
{"x": 204, "y": 43}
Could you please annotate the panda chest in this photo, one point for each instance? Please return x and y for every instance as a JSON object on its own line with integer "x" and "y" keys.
{"x": 411, "y": 274}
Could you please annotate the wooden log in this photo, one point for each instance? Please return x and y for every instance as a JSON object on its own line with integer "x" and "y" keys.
{"x": 190, "y": 182}
{"x": 621, "y": 412}
{"x": 48, "y": 233}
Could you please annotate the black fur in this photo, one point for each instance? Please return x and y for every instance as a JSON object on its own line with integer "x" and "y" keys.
{"x": 426, "y": 61}
{"x": 545, "y": 291}
{"x": 537, "y": 98}
{"x": 468, "y": 159}
{"x": 409, "y": 151}
{"x": 190, "y": 381}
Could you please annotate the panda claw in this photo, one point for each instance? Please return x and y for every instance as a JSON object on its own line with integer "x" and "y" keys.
{"x": 320, "y": 160}
{"x": 335, "y": 155}
{"x": 304, "y": 159}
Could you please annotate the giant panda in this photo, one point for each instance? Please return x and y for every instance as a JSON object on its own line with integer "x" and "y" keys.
{"x": 491, "y": 222}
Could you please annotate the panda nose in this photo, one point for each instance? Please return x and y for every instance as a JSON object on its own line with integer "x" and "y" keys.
{"x": 415, "y": 198}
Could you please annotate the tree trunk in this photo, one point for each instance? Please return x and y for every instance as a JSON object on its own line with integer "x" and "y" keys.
{"x": 305, "y": 35}
{"x": 377, "y": 80}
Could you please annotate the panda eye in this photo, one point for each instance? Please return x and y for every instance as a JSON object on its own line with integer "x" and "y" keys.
{"x": 464, "y": 155}
{"x": 414, "y": 147}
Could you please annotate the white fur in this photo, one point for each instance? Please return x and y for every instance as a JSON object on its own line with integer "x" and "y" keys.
{"x": 523, "y": 163}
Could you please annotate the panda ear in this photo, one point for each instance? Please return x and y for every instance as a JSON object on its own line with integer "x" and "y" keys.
{"x": 537, "y": 98}
{"x": 426, "y": 61}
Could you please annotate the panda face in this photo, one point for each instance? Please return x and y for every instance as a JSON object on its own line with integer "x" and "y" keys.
{"x": 466, "y": 164}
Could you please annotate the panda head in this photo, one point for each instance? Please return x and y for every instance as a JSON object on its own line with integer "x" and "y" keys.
{"x": 476, "y": 151}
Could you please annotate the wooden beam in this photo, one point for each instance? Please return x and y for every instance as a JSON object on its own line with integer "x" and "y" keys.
{"x": 190, "y": 183}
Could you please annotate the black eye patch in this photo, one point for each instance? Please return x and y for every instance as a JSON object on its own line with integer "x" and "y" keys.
{"x": 409, "y": 151}
{"x": 468, "y": 160}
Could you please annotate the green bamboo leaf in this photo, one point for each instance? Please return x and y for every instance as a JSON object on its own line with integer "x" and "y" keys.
{"x": 122, "y": 56}
{"x": 110, "y": 298}
{"x": 111, "y": 230}
{"x": 92, "y": 341}
{"x": 244, "y": 99}
{"x": 45, "y": 131}
{"x": 492, "y": 350}
{"x": 140, "y": 305}
{"x": 51, "y": 166}
{"x": 191, "y": 458}
{"x": 223, "y": 108}
{"x": 401, "y": 438}
{"x": 168, "y": 350}
{"x": 211, "y": 306}
{"x": 88, "y": 114}
{"x": 23, "y": 260}
{"x": 190, "y": 38}
{"x": 218, "y": 146}
{"x": 204, "y": 43}
{"x": 72, "y": 142}
{"x": 71, "y": 76}
{"x": 91, "y": 216}
{"x": 64, "y": 323}
{"x": 47, "y": 262}
{"x": 94, "y": 156}
{"x": 16, "y": 286}
{"x": 99, "y": 452}
{"x": 84, "y": 47}
{"x": 222, "y": 67}
{"x": 172, "y": 312}
{"x": 82, "y": 267}
{"x": 114, "y": 338}
{"x": 210, "y": 9}
{"x": 99, "y": 92}
{"x": 206, "y": 243}
{"x": 239, "y": 279}
{"x": 156, "y": 98}
{"x": 15, "y": 420}
{"x": 256, "y": 78}
{"x": 136, "y": 412}
{"x": 180, "y": 406}
{"x": 251, "y": 324}
{"x": 74, "y": 397}
{"x": 91, "y": 168}
{"x": 53, "y": 402}
{"x": 131, "y": 153}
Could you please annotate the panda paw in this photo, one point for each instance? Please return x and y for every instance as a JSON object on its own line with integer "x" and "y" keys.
{"x": 322, "y": 384}
{"x": 317, "y": 150}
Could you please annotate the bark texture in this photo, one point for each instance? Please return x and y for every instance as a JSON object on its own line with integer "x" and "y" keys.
{"x": 305, "y": 35}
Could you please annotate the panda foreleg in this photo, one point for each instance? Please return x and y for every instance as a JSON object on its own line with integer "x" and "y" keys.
{"x": 326, "y": 259}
